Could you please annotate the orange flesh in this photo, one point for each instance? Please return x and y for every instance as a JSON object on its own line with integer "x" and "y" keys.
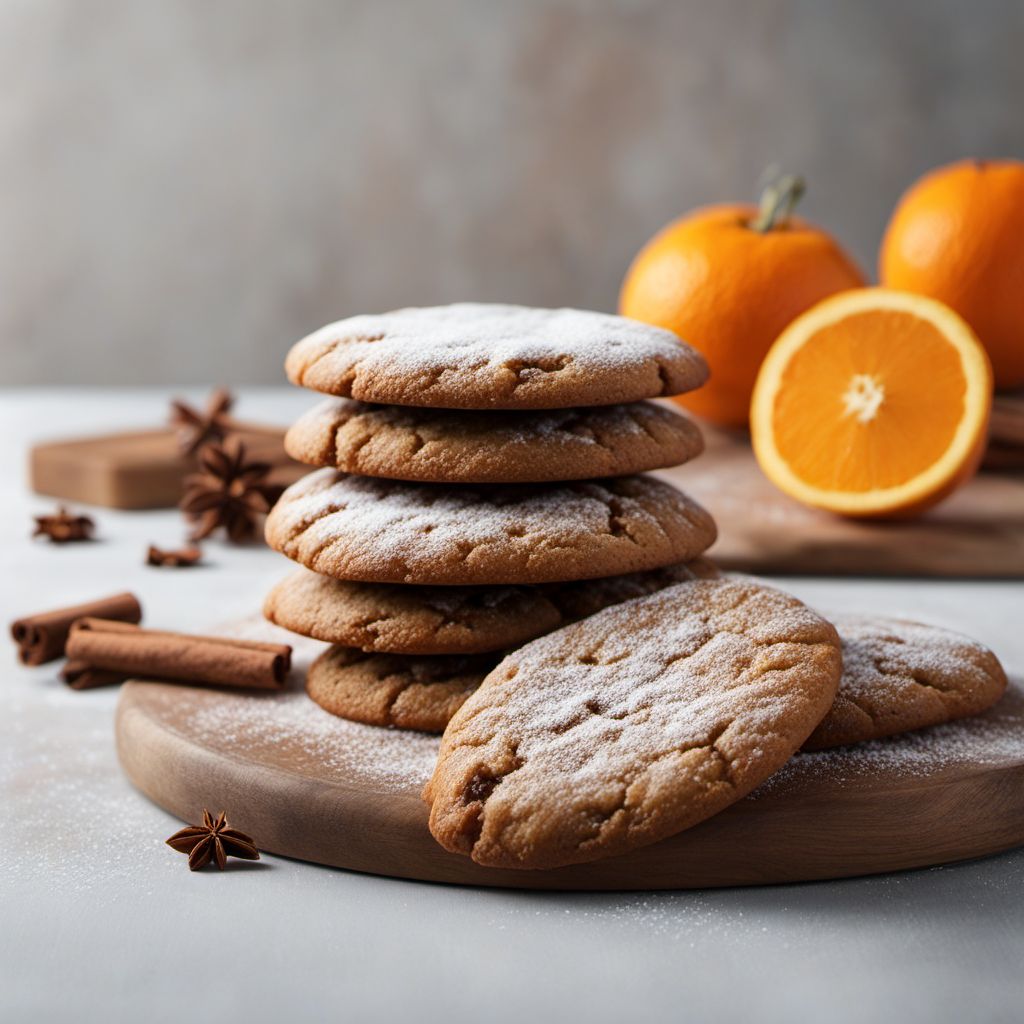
{"x": 921, "y": 403}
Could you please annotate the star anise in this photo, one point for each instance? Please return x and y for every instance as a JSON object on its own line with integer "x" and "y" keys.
{"x": 214, "y": 838}
{"x": 179, "y": 558}
{"x": 62, "y": 526}
{"x": 227, "y": 491}
{"x": 198, "y": 427}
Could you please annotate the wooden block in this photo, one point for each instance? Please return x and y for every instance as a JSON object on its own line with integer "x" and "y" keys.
{"x": 139, "y": 469}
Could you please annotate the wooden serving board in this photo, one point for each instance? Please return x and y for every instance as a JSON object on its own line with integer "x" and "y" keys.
{"x": 307, "y": 785}
{"x": 979, "y": 531}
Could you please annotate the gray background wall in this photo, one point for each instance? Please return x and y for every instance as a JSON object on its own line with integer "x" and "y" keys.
{"x": 188, "y": 186}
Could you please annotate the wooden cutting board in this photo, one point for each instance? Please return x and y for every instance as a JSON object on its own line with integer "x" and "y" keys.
{"x": 307, "y": 785}
{"x": 979, "y": 531}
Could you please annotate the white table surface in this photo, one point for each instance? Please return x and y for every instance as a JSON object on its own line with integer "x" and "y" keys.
{"x": 99, "y": 921}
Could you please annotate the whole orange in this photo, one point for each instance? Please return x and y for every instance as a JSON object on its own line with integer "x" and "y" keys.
{"x": 728, "y": 279}
{"x": 958, "y": 236}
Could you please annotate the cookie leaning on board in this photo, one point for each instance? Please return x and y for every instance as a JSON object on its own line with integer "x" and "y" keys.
{"x": 632, "y": 725}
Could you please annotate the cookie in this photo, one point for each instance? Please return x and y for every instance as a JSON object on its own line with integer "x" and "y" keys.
{"x": 460, "y": 446}
{"x": 900, "y": 675}
{"x": 386, "y": 531}
{"x": 480, "y": 356}
{"x": 632, "y": 725}
{"x": 403, "y": 691}
{"x": 393, "y": 618}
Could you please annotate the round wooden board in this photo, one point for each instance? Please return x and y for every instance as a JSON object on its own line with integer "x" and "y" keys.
{"x": 314, "y": 787}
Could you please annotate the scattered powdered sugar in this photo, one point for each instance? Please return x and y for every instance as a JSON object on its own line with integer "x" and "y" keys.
{"x": 300, "y": 732}
{"x": 72, "y": 821}
{"x": 311, "y": 741}
{"x": 469, "y": 334}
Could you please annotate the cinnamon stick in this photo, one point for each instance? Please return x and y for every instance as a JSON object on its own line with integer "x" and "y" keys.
{"x": 41, "y": 637}
{"x": 80, "y": 676}
{"x": 155, "y": 654}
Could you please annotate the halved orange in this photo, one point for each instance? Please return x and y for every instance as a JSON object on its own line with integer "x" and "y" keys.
{"x": 872, "y": 403}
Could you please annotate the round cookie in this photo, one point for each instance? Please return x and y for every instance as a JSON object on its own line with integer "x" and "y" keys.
{"x": 402, "y": 691}
{"x": 900, "y": 675}
{"x": 460, "y": 446}
{"x": 394, "y": 618}
{"x": 482, "y": 356}
{"x": 632, "y": 725}
{"x": 386, "y": 531}
{"x": 398, "y": 619}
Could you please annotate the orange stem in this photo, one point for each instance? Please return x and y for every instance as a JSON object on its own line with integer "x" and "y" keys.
{"x": 778, "y": 200}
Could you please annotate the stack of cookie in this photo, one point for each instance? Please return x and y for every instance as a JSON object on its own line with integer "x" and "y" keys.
{"x": 482, "y": 485}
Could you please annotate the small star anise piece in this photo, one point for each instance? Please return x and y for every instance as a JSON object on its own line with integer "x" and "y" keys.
{"x": 176, "y": 558}
{"x": 62, "y": 527}
{"x": 198, "y": 427}
{"x": 227, "y": 492}
{"x": 214, "y": 839}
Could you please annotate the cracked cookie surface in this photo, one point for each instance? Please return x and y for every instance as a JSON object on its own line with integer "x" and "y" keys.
{"x": 900, "y": 675}
{"x": 386, "y": 531}
{"x": 487, "y": 356}
{"x": 631, "y": 725}
{"x": 402, "y": 691}
{"x": 446, "y": 446}
{"x": 398, "y": 619}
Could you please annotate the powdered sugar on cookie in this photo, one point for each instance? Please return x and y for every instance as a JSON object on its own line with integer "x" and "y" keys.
{"x": 482, "y": 356}
{"x": 385, "y": 531}
{"x": 900, "y": 675}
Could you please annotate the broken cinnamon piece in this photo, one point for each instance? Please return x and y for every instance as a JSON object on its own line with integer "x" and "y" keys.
{"x": 155, "y": 654}
{"x": 177, "y": 558}
{"x": 41, "y": 637}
